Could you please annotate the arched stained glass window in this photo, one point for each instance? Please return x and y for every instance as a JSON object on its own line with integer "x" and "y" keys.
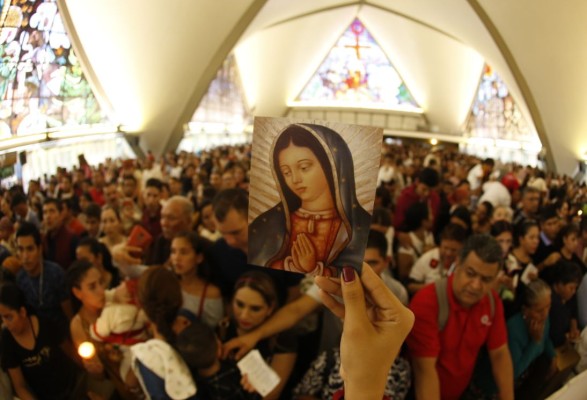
{"x": 496, "y": 127}
{"x": 495, "y": 114}
{"x": 357, "y": 73}
{"x": 223, "y": 108}
{"x": 41, "y": 82}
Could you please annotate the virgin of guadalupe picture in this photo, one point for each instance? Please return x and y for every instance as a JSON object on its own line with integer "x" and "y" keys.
{"x": 305, "y": 213}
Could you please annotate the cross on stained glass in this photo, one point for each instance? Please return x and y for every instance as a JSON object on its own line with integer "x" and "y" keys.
{"x": 357, "y": 28}
{"x": 357, "y": 72}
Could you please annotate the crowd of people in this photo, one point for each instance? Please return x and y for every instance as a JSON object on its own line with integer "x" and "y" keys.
{"x": 147, "y": 260}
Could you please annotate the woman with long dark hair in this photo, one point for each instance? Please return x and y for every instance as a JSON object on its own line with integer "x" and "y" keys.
{"x": 35, "y": 352}
{"x": 200, "y": 297}
{"x": 155, "y": 363}
{"x": 254, "y": 301}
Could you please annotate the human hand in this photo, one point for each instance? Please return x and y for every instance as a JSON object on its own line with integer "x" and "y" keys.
{"x": 121, "y": 294}
{"x": 241, "y": 344}
{"x": 93, "y": 366}
{"x": 246, "y": 384}
{"x": 124, "y": 254}
{"x": 552, "y": 259}
{"x": 303, "y": 253}
{"x": 376, "y": 324}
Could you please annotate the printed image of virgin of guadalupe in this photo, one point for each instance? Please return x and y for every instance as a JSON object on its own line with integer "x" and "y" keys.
{"x": 319, "y": 226}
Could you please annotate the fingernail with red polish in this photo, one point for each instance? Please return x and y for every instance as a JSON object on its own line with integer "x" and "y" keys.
{"x": 348, "y": 274}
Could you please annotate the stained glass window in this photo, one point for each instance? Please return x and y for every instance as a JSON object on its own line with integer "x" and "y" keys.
{"x": 41, "y": 82}
{"x": 223, "y": 108}
{"x": 495, "y": 114}
{"x": 357, "y": 73}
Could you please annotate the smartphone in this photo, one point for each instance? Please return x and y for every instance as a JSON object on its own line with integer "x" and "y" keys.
{"x": 140, "y": 237}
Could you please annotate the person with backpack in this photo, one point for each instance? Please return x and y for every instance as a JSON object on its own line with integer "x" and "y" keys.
{"x": 455, "y": 318}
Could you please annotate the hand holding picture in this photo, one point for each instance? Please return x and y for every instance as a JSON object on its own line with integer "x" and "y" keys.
{"x": 376, "y": 324}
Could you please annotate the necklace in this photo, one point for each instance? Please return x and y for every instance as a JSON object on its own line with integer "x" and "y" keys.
{"x": 313, "y": 216}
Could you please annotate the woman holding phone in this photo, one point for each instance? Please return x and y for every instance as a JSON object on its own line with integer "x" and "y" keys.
{"x": 111, "y": 228}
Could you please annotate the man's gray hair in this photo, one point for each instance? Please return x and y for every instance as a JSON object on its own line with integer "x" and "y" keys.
{"x": 187, "y": 207}
{"x": 484, "y": 246}
{"x": 535, "y": 291}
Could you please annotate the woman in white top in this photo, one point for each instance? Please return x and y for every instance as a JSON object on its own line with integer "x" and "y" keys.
{"x": 111, "y": 227}
{"x": 200, "y": 297}
{"x": 526, "y": 241}
{"x": 206, "y": 224}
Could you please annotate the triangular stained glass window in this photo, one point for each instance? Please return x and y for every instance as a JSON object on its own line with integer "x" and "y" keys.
{"x": 495, "y": 114}
{"x": 223, "y": 107}
{"x": 41, "y": 82}
{"x": 357, "y": 73}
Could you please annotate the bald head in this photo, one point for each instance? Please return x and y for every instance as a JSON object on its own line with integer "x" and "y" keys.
{"x": 176, "y": 216}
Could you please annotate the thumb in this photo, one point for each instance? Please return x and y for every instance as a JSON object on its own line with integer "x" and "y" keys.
{"x": 354, "y": 299}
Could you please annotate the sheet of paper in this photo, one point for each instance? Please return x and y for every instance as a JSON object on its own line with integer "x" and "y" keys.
{"x": 530, "y": 273}
{"x": 259, "y": 374}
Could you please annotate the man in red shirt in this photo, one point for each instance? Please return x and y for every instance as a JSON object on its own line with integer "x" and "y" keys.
{"x": 420, "y": 191}
{"x": 59, "y": 242}
{"x": 443, "y": 359}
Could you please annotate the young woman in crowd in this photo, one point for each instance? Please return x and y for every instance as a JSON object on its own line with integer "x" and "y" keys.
{"x": 462, "y": 216}
{"x": 482, "y": 217}
{"x": 84, "y": 201}
{"x": 35, "y": 352}
{"x": 200, "y": 297}
{"x": 160, "y": 370}
{"x": 381, "y": 221}
{"x": 111, "y": 227}
{"x": 98, "y": 255}
{"x": 240, "y": 176}
{"x": 502, "y": 231}
{"x": 563, "y": 210}
{"x": 254, "y": 301}
{"x": 206, "y": 225}
{"x": 526, "y": 240}
{"x": 567, "y": 242}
